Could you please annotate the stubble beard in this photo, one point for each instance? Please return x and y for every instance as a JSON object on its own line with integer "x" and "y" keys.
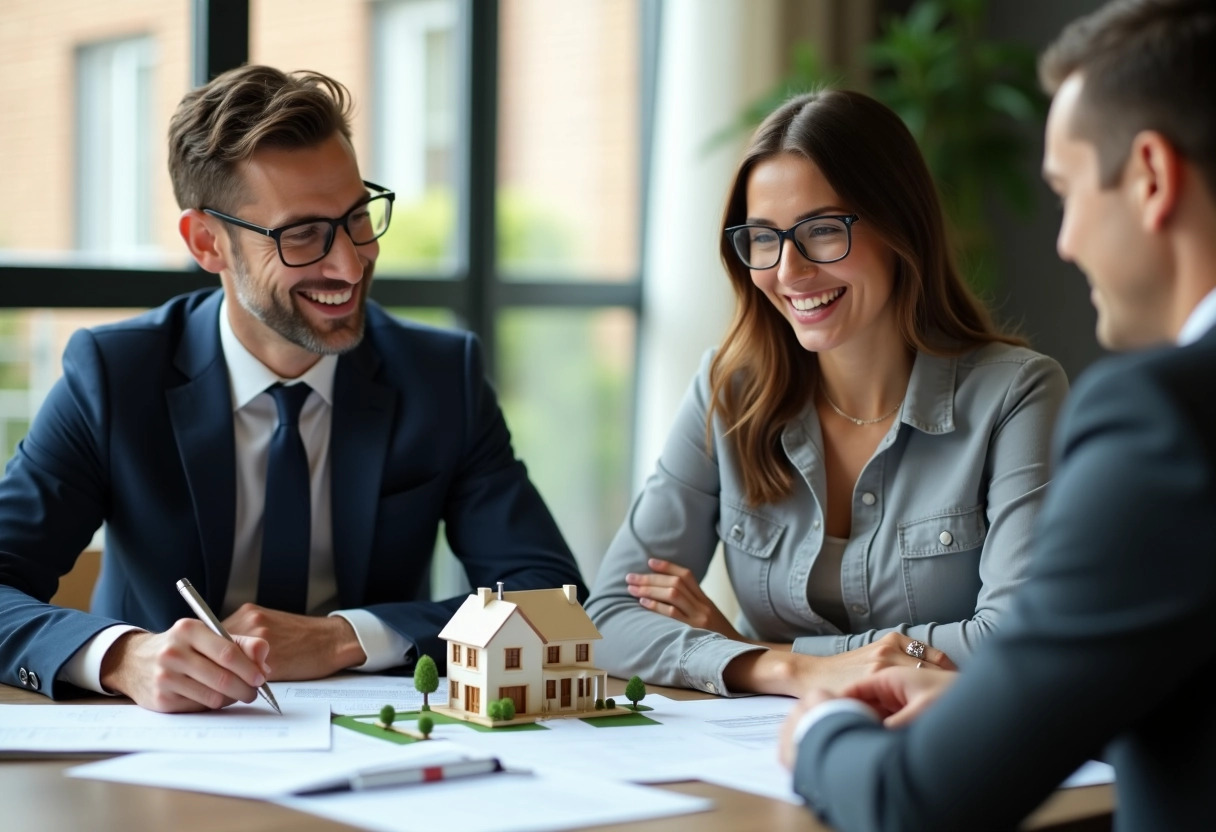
{"x": 286, "y": 320}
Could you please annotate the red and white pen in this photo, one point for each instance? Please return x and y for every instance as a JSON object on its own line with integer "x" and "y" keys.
{"x": 401, "y": 775}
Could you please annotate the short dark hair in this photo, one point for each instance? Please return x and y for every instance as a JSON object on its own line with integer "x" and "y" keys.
{"x": 225, "y": 121}
{"x": 1146, "y": 65}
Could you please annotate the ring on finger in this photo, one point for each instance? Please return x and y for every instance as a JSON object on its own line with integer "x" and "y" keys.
{"x": 915, "y": 649}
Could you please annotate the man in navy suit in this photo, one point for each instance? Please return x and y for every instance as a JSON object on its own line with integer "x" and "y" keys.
{"x": 1111, "y": 648}
{"x": 281, "y": 442}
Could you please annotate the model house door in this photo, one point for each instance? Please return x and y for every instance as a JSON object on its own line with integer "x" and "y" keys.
{"x": 472, "y": 699}
{"x": 565, "y": 693}
{"x": 517, "y": 694}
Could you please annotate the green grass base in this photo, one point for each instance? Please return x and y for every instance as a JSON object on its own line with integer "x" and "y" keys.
{"x": 352, "y": 723}
{"x": 619, "y": 721}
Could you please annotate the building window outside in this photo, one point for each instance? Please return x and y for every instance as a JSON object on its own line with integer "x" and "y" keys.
{"x": 555, "y": 655}
{"x": 582, "y": 653}
{"x": 454, "y": 691}
{"x": 456, "y": 654}
{"x": 512, "y": 657}
{"x": 114, "y": 83}
{"x": 550, "y": 689}
{"x": 471, "y": 658}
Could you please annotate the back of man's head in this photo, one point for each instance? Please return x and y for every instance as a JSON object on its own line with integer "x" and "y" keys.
{"x": 1146, "y": 65}
{"x": 224, "y": 122}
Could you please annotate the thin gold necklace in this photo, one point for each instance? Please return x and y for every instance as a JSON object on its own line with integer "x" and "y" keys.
{"x": 854, "y": 419}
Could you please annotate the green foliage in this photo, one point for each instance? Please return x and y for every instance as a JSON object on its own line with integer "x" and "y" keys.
{"x": 508, "y": 708}
{"x": 963, "y": 97}
{"x": 426, "y": 679}
{"x": 599, "y": 704}
{"x": 425, "y": 725}
{"x": 421, "y": 235}
{"x": 635, "y": 690}
{"x": 495, "y": 710}
{"x": 610, "y": 704}
{"x": 387, "y": 714}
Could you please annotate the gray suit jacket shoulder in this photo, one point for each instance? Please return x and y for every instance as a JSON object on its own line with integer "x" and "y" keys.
{"x": 1110, "y": 643}
{"x": 942, "y": 516}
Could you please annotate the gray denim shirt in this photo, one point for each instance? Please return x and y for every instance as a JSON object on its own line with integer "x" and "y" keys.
{"x": 942, "y": 520}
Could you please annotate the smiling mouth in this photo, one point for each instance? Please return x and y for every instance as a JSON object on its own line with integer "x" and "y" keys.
{"x": 330, "y": 298}
{"x": 810, "y": 303}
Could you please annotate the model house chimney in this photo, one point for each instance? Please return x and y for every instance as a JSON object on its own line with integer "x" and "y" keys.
{"x": 500, "y": 590}
{"x": 484, "y": 594}
{"x": 571, "y": 593}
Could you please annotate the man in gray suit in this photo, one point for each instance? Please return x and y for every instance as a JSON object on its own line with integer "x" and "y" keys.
{"x": 1110, "y": 649}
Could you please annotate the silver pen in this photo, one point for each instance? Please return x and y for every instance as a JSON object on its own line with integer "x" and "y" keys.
{"x": 205, "y": 614}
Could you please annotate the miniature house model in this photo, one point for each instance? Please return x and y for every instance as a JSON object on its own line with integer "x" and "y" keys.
{"x": 533, "y": 647}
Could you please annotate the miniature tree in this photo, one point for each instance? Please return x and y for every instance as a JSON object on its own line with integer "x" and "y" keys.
{"x": 508, "y": 708}
{"x": 426, "y": 679}
{"x": 495, "y": 710}
{"x": 425, "y": 726}
{"x": 387, "y": 714}
{"x": 610, "y": 704}
{"x": 635, "y": 691}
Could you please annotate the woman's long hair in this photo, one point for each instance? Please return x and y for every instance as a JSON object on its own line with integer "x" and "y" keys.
{"x": 761, "y": 377}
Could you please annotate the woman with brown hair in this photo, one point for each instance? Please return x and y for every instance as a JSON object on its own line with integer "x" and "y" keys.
{"x": 869, "y": 450}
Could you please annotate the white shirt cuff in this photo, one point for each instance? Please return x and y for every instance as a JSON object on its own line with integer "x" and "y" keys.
{"x": 83, "y": 669}
{"x": 384, "y": 646}
{"x": 832, "y": 706}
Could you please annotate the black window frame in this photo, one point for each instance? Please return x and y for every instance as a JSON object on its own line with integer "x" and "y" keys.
{"x": 475, "y": 292}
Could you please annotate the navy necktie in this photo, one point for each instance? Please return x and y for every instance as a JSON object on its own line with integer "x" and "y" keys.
{"x": 287, "y": 516}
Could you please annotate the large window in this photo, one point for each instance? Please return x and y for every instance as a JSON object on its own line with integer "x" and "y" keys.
{"x": 511, "y": 131}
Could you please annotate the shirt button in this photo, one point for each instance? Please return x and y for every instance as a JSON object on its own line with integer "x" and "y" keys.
{"x": 736, "y": 532}
{"x": 859, "y": 609}
{"x": 868, "y": 498}
{"x": 711, "y": 687}
{"x": 946, "y": 538}
{"x": 24, "y": 676}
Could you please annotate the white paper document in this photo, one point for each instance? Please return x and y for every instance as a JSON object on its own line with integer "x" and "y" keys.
{"x": 360, "y": 694}
{"x": 537, "y": 802}
{"x": 51, "y": 728}
{"x": 265, "y": 774}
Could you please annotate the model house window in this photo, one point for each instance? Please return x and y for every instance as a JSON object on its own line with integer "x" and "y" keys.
{"x": 456, "y": 654}
{"x": 580, "y": 688}
{"x": 471, "y": 657}
{"x": 512, "y": 654}
{"x": 582, "y": 652}
{"x": 550, "y": 689}
{"x": 555, "y": 655}
{"x": 114, "y": 155}
{"x": 454, "y": 691}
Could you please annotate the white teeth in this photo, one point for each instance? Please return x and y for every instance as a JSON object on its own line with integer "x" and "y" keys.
{"x": 807, "y": 304}
{"x": 329, "y": 298}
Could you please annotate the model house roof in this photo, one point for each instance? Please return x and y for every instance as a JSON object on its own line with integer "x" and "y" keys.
{"x": 554, "y": 615}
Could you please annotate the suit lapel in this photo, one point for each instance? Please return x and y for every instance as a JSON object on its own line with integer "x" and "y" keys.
{"x": 358, "y": 443}
{"x": 201, "y": 413}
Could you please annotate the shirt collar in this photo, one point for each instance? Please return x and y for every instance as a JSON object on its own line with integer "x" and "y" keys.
{"x": 248, "y": 377}
{"x": 929, "y": 401}
{"x": 1201, "y": 319}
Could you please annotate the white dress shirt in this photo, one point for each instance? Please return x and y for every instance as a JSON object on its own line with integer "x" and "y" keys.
{"x": 255, "y": 417}
{"x": 1201, "y": 319}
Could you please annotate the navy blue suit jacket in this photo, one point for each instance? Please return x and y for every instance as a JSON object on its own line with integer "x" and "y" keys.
{"x": 138, "y": 434}
{"x": 1111, "y": 645}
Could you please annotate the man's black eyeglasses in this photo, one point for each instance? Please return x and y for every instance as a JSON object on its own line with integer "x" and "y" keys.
{"x": 308, "y": 241}
{"x": 822, "y": 239}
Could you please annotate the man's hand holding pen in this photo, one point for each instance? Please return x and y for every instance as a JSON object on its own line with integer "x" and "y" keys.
{"x": 186, "y": 668}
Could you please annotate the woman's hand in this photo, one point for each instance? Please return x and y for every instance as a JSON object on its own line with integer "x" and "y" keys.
{"x": 671, "y": 590}
{"x": 791, "y": 674}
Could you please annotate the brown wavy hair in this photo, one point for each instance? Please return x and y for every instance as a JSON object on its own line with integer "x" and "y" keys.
{"x": 225, "y": 121}
{"x": 761, "y": 377}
